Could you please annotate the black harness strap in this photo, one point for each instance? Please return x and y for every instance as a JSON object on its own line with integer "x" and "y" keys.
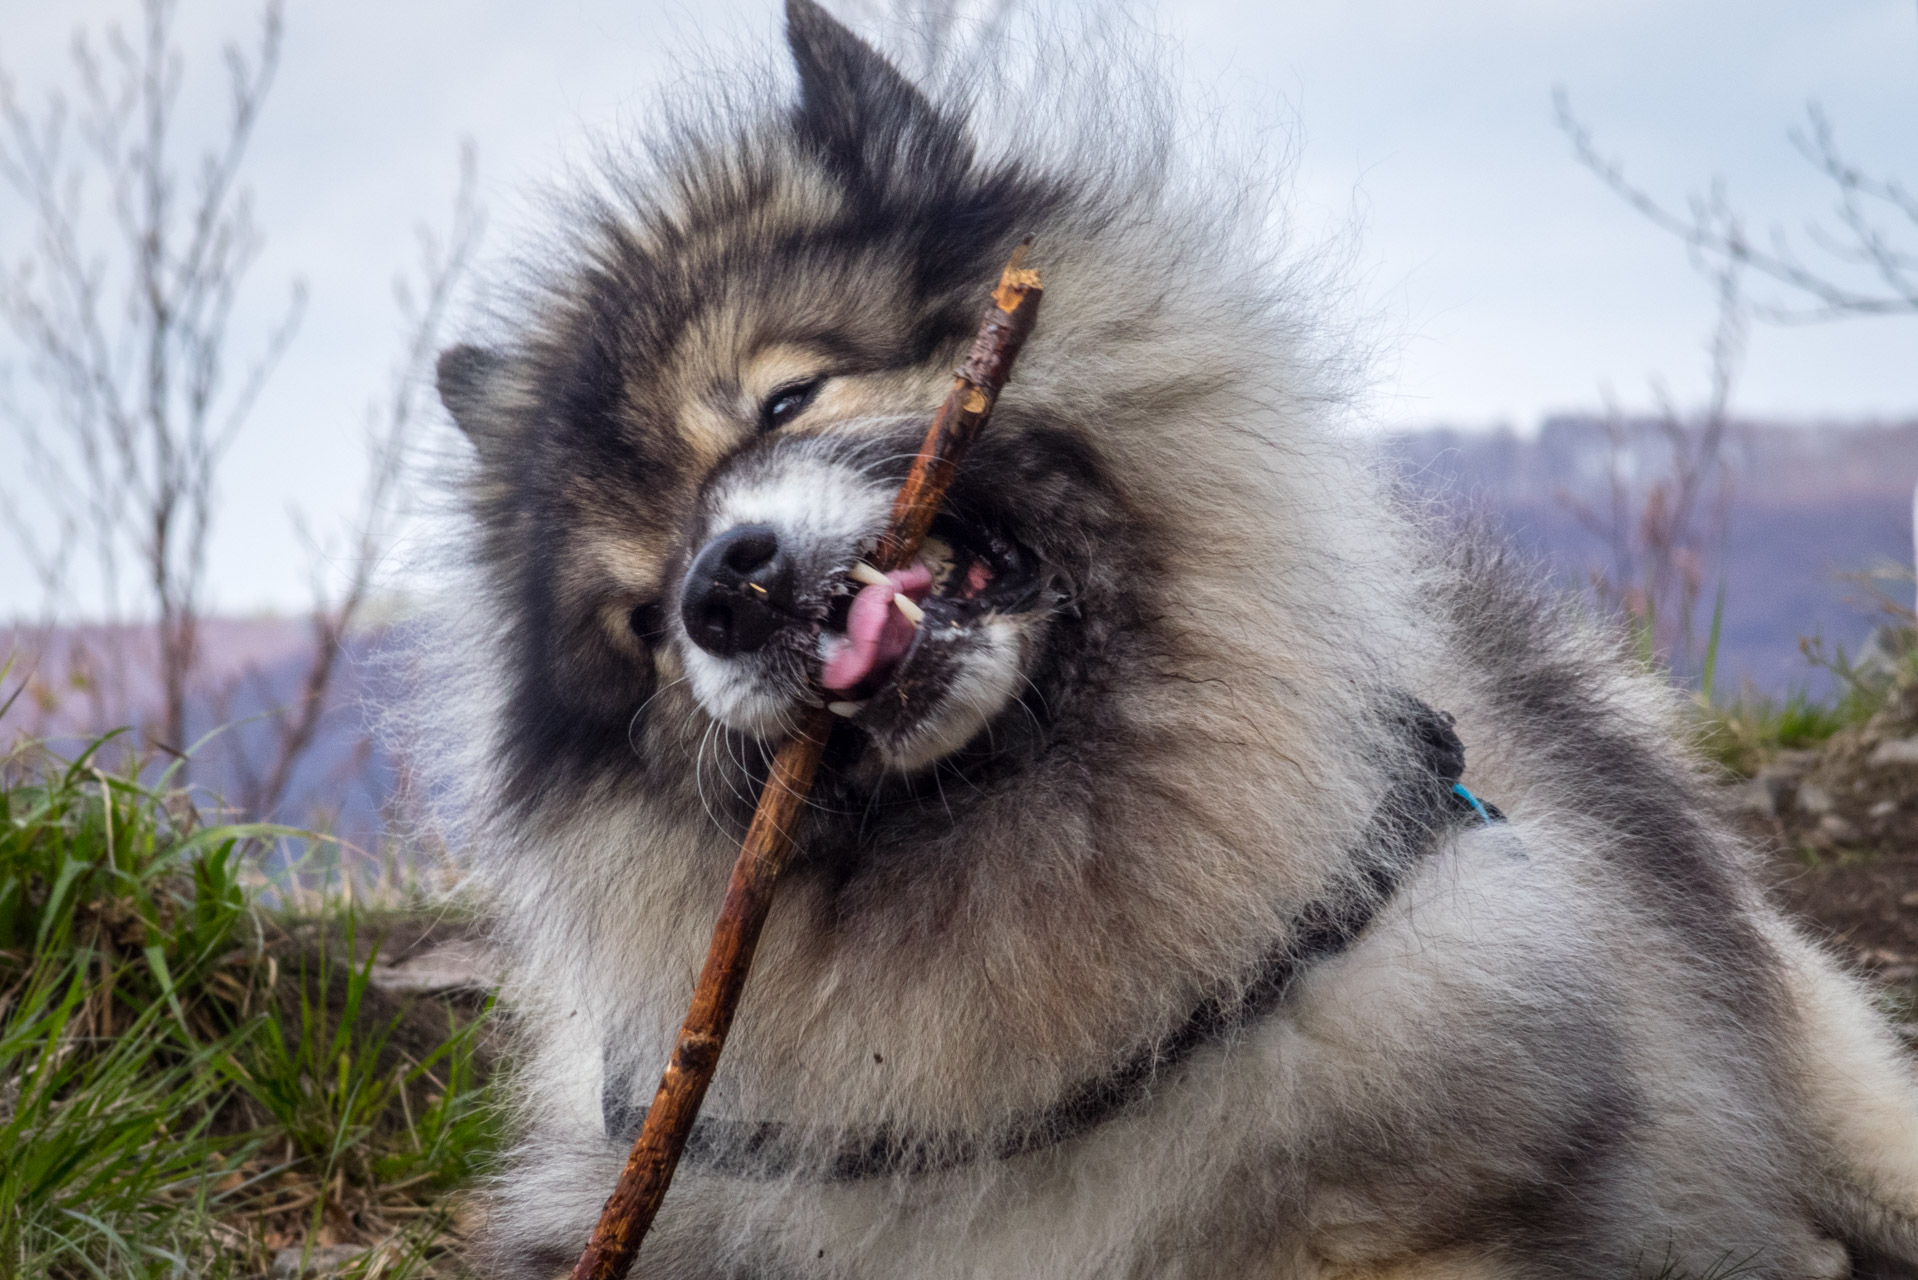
{"x": 1402, "y": 832}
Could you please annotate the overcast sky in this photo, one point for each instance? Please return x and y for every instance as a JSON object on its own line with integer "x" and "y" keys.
{"x": 1509, "y": 282}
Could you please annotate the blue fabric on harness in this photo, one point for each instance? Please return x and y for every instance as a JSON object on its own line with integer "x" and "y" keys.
{"x": 1489, "y": 812}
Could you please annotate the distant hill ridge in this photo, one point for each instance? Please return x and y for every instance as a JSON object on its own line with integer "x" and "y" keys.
{"x": 1807, "y": 503}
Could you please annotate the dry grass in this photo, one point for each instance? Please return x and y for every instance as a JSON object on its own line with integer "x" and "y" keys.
{"x": 192, "y": 1081}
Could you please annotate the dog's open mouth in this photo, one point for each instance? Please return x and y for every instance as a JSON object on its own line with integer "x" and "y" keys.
{"x": 964, "y": 572}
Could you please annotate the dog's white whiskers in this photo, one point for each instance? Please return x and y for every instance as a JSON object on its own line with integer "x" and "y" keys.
{"x": 632, "y": 724}
{"x": 737, "y": 782}
{"x": 699, "y": 784}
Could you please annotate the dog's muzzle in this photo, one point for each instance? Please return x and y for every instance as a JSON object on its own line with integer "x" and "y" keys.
{"x": 776, "y": 607}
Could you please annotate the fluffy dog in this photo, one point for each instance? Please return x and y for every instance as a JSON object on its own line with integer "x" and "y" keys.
{"x": 1140, "y": 925}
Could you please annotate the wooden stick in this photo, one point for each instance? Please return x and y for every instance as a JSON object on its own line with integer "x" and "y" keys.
{"x": 975, "y": 388}
{"x": 629, "y": 1211}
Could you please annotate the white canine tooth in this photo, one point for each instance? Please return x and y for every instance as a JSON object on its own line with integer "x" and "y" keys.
{"x": 863, "y": 572}
{"x": 846, "y": 709}
{"x": 914, "y": 614}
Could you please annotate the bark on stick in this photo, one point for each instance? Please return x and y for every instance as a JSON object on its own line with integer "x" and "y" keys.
{"x": 629, "y": 1211}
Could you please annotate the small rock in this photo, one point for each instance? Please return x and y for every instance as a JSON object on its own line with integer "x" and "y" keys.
{"x": 1894, "y": 751}
{"x": 1837, "y": 829}
{"x": 1884, "y": 808}
{"x": 1789, "y": 764}
{"x": 451, "y": 966}
{"x": 1759, "y": 796}
{"x": 1908, "y": 900}
{"x": 315, "y": 1263}
{"x": 1814, "y": 799}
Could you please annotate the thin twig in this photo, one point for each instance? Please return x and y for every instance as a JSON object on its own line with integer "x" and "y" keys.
{"x": 629, "y": 1211}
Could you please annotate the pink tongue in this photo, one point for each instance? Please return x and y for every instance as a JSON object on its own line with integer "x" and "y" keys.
{"x": 877, "y": 634}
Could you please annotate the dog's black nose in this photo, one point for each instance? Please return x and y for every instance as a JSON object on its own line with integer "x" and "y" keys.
{"x": 738, "y": 592}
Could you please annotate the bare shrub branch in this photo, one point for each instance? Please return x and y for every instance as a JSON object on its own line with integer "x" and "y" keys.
{"x": 137, "y": 384}
{"x": 1875, "y": 233}
{"x": 1664, "y": 526}
{"x": 390, "y": 434}
{"x": 1660, "y": 535}
{"x": 123, "y": 309}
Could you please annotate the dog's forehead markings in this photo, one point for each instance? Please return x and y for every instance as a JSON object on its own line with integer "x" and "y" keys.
{"x": 800, "y": 201}
{"x": 707, "y": 430}
{"x": 679, "y": 386}
{"x": 770, "y": 368}
{"x": 875, "y": 399}
{"x": 712, "y": 389}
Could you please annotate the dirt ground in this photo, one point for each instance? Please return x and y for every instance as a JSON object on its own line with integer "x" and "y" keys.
{"x": 1841, "y": 825}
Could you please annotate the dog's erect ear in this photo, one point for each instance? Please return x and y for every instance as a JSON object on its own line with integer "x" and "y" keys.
{"x": 467, "y": 378}
{"x": 858, "y": 110}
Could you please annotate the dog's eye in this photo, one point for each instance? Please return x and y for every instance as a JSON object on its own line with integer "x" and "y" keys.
{"x": 647, "y": 621}
{"x": 787, "y": 403}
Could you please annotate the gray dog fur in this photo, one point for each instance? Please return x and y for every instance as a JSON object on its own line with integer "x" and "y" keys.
{"x": 1578, "y": 1044}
